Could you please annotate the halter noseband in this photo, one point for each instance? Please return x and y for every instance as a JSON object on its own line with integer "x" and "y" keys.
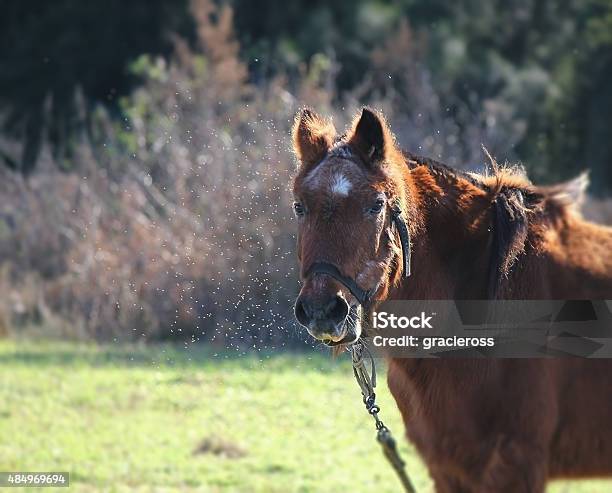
{"x": 364, "y": 296}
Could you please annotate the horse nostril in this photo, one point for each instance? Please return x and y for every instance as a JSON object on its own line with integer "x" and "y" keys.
{"x": 337, "y": 310}
{"x": 302, "y": 312}
{"x": 325, "y": 317}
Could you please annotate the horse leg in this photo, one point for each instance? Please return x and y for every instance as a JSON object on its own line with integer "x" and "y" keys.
{"x": 515, "y": 467}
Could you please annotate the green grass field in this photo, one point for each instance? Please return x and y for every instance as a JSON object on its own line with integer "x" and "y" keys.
{"x": 170, "y": 419}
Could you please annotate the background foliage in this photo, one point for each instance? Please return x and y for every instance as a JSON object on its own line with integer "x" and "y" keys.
{"x": 540, "y": 69}
{"x": 145, "y": 155}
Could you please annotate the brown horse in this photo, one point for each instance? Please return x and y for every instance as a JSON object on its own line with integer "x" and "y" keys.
{"x": 481, "y": 425}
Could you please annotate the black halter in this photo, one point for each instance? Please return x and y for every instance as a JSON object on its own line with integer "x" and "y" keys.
{"x": 364, "y": 296}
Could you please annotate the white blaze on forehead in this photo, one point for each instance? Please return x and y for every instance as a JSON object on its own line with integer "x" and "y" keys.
{"x": 340, "y": 184}
{"x": 334, "y": 176}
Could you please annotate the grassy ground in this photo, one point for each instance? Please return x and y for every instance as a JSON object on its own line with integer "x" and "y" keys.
{"x": 171, "y": 419}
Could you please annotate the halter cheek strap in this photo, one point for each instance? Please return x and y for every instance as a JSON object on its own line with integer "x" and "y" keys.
{"x": 404, "y": 234}
{"x": 364, "y": 296}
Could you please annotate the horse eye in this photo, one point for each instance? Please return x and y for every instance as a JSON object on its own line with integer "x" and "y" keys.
{"x": 377, "y": 207}
{"x": 298, "y": 208}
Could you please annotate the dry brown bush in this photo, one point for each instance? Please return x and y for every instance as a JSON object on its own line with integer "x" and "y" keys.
{"x": 178, "y": 226}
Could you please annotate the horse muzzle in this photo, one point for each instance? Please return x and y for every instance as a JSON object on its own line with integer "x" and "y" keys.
{"x": 352, "y": 328}
{"x": 330, "y": 320}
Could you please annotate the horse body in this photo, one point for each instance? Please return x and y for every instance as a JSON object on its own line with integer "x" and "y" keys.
{"x": 504, "y": 424}
{"x": 481, "y": 425}
{"x": 507, "y": 425}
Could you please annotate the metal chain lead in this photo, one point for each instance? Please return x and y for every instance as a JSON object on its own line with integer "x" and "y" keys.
{"x": 367, "y": 384}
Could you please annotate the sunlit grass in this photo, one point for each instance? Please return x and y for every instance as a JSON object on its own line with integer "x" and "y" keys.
{"x": 172, "y": 419}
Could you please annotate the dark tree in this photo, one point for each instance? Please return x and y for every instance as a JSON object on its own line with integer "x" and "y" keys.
{"x": 49, "y": 49}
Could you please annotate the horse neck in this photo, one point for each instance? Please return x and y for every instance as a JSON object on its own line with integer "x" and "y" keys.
{"x": 450, "y": 233}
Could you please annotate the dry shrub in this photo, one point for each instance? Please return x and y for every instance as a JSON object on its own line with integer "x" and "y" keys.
{"x": 176, "y": 226}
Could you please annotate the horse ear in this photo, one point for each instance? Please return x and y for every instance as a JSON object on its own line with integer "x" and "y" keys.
{"x": 312, "y": 137}
{"x": 371, "y": 136}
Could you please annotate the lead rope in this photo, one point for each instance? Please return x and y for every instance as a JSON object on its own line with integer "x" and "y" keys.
{"x": 367, "y": 384}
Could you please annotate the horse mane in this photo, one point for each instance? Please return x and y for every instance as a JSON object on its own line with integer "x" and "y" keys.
{"x": 441, "y": 169}
{"x": 515, "y": 205}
